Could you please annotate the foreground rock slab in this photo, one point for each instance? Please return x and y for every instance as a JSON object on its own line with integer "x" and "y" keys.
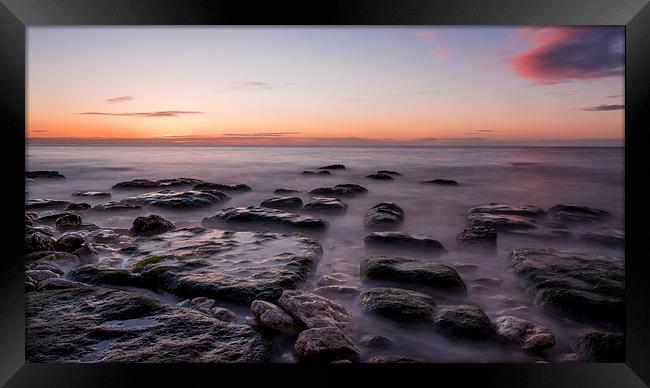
{"x": 464, "y": 321}
{"x": 282, "y": 203}
{"x": 526, "y": 334}
{"x": 273, "y": 318}
{"x": 256, "y": 215}
{"x": 314, "y": 310}
{"x": 178, "y": 199}
{"x": 398, "y": 304}
{"x": 324, "y": 344}
{"x": 600, "y": 346}
{"x": 151, "y": 225}
{"x": 402, "y": 240}
{"x": 578, "y": 284}
{"x": 101, "y": 325}
{"x": 577, "y": 213}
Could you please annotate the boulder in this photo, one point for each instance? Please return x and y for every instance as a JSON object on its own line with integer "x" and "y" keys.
{"x": 478, "y": 237}
{"x": 150, "y": 225}
{"x": 510, "y": 209}
{"x": 224, "y": 314}
{"x": 445, "y": 182}
{"x": 69, "y": 220}
{"x": 525, "y": 334}
{"x": 178, "y": 199}
{"x": 500, "y": 222}
{"x": 273, "y": 318}
{"x": 388, "y": 172}
{"x": 400, "y": 240}
{"x": 381, "y": 177}
{"x": 282, "y": 203}
{"x": 611, "y": 237}
{"x": 92, "y": 194}
{"x": 314, "y": 311}
{"x": 375, "y": 342}
{"x": 30, "y": 217}
{"x": 332, "y": 167}
{"x": 43, "y": 174}
{"x": 242, "y": 188}
{"x": 116, "y": 207}
{"x": 261, "y": 215}
{"x": 324, "y": 344}
{"x": 347, "y": 189}
{"x": 414, "y": 272}
{"x": 398, "y": 304}
{"x": 37, "y": 241}
{"x": 77, "y": 207}
{"x": 577, "y": 213}
{"x": 333, "y": 279}
{"x": 162, "y": 183}
{"x": 600, "y": 346}
{"x": 384, "y": 215}
{"x": 325, "y": 205}
{"x": 322, "y": 172}
{"x": 463, "y": 321}
{"x": 578, "y": 284}
{"x": 59, "y": 283}
{"x": 337, "y": 292}
{"x": 45, "y": 203}
{"x": 285, "y": 191}
{"x": 69, "y": 242}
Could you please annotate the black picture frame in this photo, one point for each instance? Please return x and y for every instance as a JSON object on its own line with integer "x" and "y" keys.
{"x": 18, "y": 15}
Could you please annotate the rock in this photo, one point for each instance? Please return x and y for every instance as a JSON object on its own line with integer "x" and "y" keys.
{"x": 38, "y": 241}
{"x": 337, "y": 292}
{"x": 463, "y": 321}
{"x": 92, "y": 194}
{"x": 388, "y": 172}
{"x": 612, "y": 237}
{"x": 393, "y": 360}
{"x": 30, "y": 284}
{"x": 103, "y": 236}
{"x": 30, "y": 217}
{"x": 86, "y": 251}
{"x": 150, "y": 225}
{"x": 273, "y": 318}
{"x": 222, "y": 187}
{"x": 69, "y": 220}
{"x": 59, "y": 283}
{"x": 236, "y": 267}
{"x": 224, "y": 314}
{"x": 77, "y": 207}
{"x": 43, "y": 174}
{"x": 69, "y": 242}
{"x": 581, "y": 285}
{"x": 315, "y": 311}
{"x": 333, "y": 279}
{"x": 45, "y": 203}
{"x": 186, "y": 303}
{"x": 322, "y": 172}
{"x": 381, "y": 177}
{"x": 100, "y": 325}
{"x": 500, "y": 222}
{"x": 39, "y": 275}
{"x": 488, "y": 282}
{"x": 58, "y": 262}
{"x": 323, "y": 344}
{"x": 202, "y": 303}
{"x": 400, "y": 240}
{"x": 526, "y": 334}
{"x": 261, "y": 215}
{"x": 397, "y": 304}
{"x": 282, "y": 203}
{"x": 576, "y": 213}
{"x": 516, "y": 210}
{"x": 600, "y": 346}
{"x": 178, "y": 199}
{"x": 376, "y": 342}
{"x": 325, "y": 205}
{"x": 50, "y": 216}
{"x": 116, "y": 206}
{"x": 446, "y": 182}
{"x": 409, "y": 271}
{"x": 333, "y": 167}
{"x": 384, "y": 215}
{"x": 285, "y": 191}
{"x": 478, "y": 237}
{"x": 162, "y": 183}
{"x": 347, "y": 189}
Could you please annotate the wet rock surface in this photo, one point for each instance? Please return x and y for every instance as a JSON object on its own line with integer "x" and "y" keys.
{"x": 283, "y": 191}
{"x": 92, "y": 194}
{"x": 116, "y": 207}
{"x": 325, "y": 344}
{"x": 347, "y": 189}
{"x": 398, "y": 304}
{"x": 611, "y": 237}
{"x": 388, "y": 172}
{"x": 255, "y": 215}
{"x": 380, "y": 177}
{"x": 375, "y": 342}
{"x": 325, "y": 205}
{"x": 150, "y": 225}
{"x": 393, "y": 360}
{"x": 321, "y": 172}
{"x": 332, "y": 167}
{"x": 45, "y": 203}
{"x": 600, "y": 346}
{"x": 442, "y": 182}
{"x": 500, "y": 222}
{"x": 403, "y": 240}
{"x": 315, "y": 311}
{"x": 69, "y": 242}
{"x": 100, "y": 325}
{"x": 478, "y": 237}
{"x": 68, "y": 220}
{"x": 36, "y": 241}
{"x": 577, "y": 213}
{"x": 463, "y": 321}
{"x": 77, "y": 207}
{"x": 42, "y": 174}
{"x": 222, "y": 187}
{"x": 581, "y": 285}
{"x": 383, "y": 216}
{"x": 152, "y": 183}
{"x": 524, "y": 333}
{"x": 501, "y": 208}
{"x": 178, "y": 199}
{"x": 414, "y": 272}
{"x": 273, "y": 318}
{"x": 282, "y": 203}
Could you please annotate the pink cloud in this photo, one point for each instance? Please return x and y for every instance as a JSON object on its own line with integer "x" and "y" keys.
{"x": 440, "y": 49}
{"x": 426, "y": 35}
{"x": 442, "y": 52}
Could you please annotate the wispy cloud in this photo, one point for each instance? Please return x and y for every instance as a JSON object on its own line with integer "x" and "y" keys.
{"x": 39, "y": 130}
{"x": 164, "y": 113}
{"x": 479, "y": 131}
{"x": 262, "y": 134}
{"x": 119, "y": 99}
{"x": 251, "y": 86}
{"x": 416, "y": 92}
{"x": 562, "y": 54}
{"x": 440, "y": 49}
{"x": 604, "y": 107}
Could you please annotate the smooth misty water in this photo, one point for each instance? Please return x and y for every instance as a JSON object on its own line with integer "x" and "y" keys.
{"x": 527, "y": 175}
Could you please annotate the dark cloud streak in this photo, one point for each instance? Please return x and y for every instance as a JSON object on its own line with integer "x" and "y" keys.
{"x": 164, "y": 113}
{"x": 604, "y": 108}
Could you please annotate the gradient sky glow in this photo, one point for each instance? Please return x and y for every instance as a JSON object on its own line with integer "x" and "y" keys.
{"x": 326, "y": 86}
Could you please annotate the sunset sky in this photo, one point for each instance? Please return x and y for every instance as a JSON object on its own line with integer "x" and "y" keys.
{"x": 327, "y": 86}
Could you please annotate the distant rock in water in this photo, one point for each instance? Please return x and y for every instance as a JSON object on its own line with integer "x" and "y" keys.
{"x": 464, "y": 321}
{"x": 447, "y": 182}
{"x": 68, "y": 220}
{"x": 151, "y": 225}
{"x": 161, "y": 183}
{"x": 500, "y": 222}
{"x": 575, "y": 213}
{"x": 222, "y": 187}
{"x": 382, "y": 177}
{"x": 601, "y": 346}
{"x": 62, "y": 325}
{"x": 115, "y": 206}
{"x": 346, "y": 189}
{"x": 403, "y": 241}
{"x": 412, "y": 272}
{"x": 398, "y": 304}
{"x": 261, "y": 215}
{"x": 388, "y": 172}
{"x": 178, "y": 199}
{"x": 92, "y": 194}
{"x": 576, "y": 284}
{"x": 285, "y": 191}
{"x": 282, "y": 203}
{"x": 333, "y": 167}
{"x": 384, "y": 215}
{"x": 478, "y": 237}
{"x": 518, "y": 210}
{"x": 612, "y": 237}
{"x": 43, "y": 174}
{"x": 45, "y": 203}
{"x": 77, "y": 207}
{"x": 325, "y": 205}
{"x": 322, "y": 172}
